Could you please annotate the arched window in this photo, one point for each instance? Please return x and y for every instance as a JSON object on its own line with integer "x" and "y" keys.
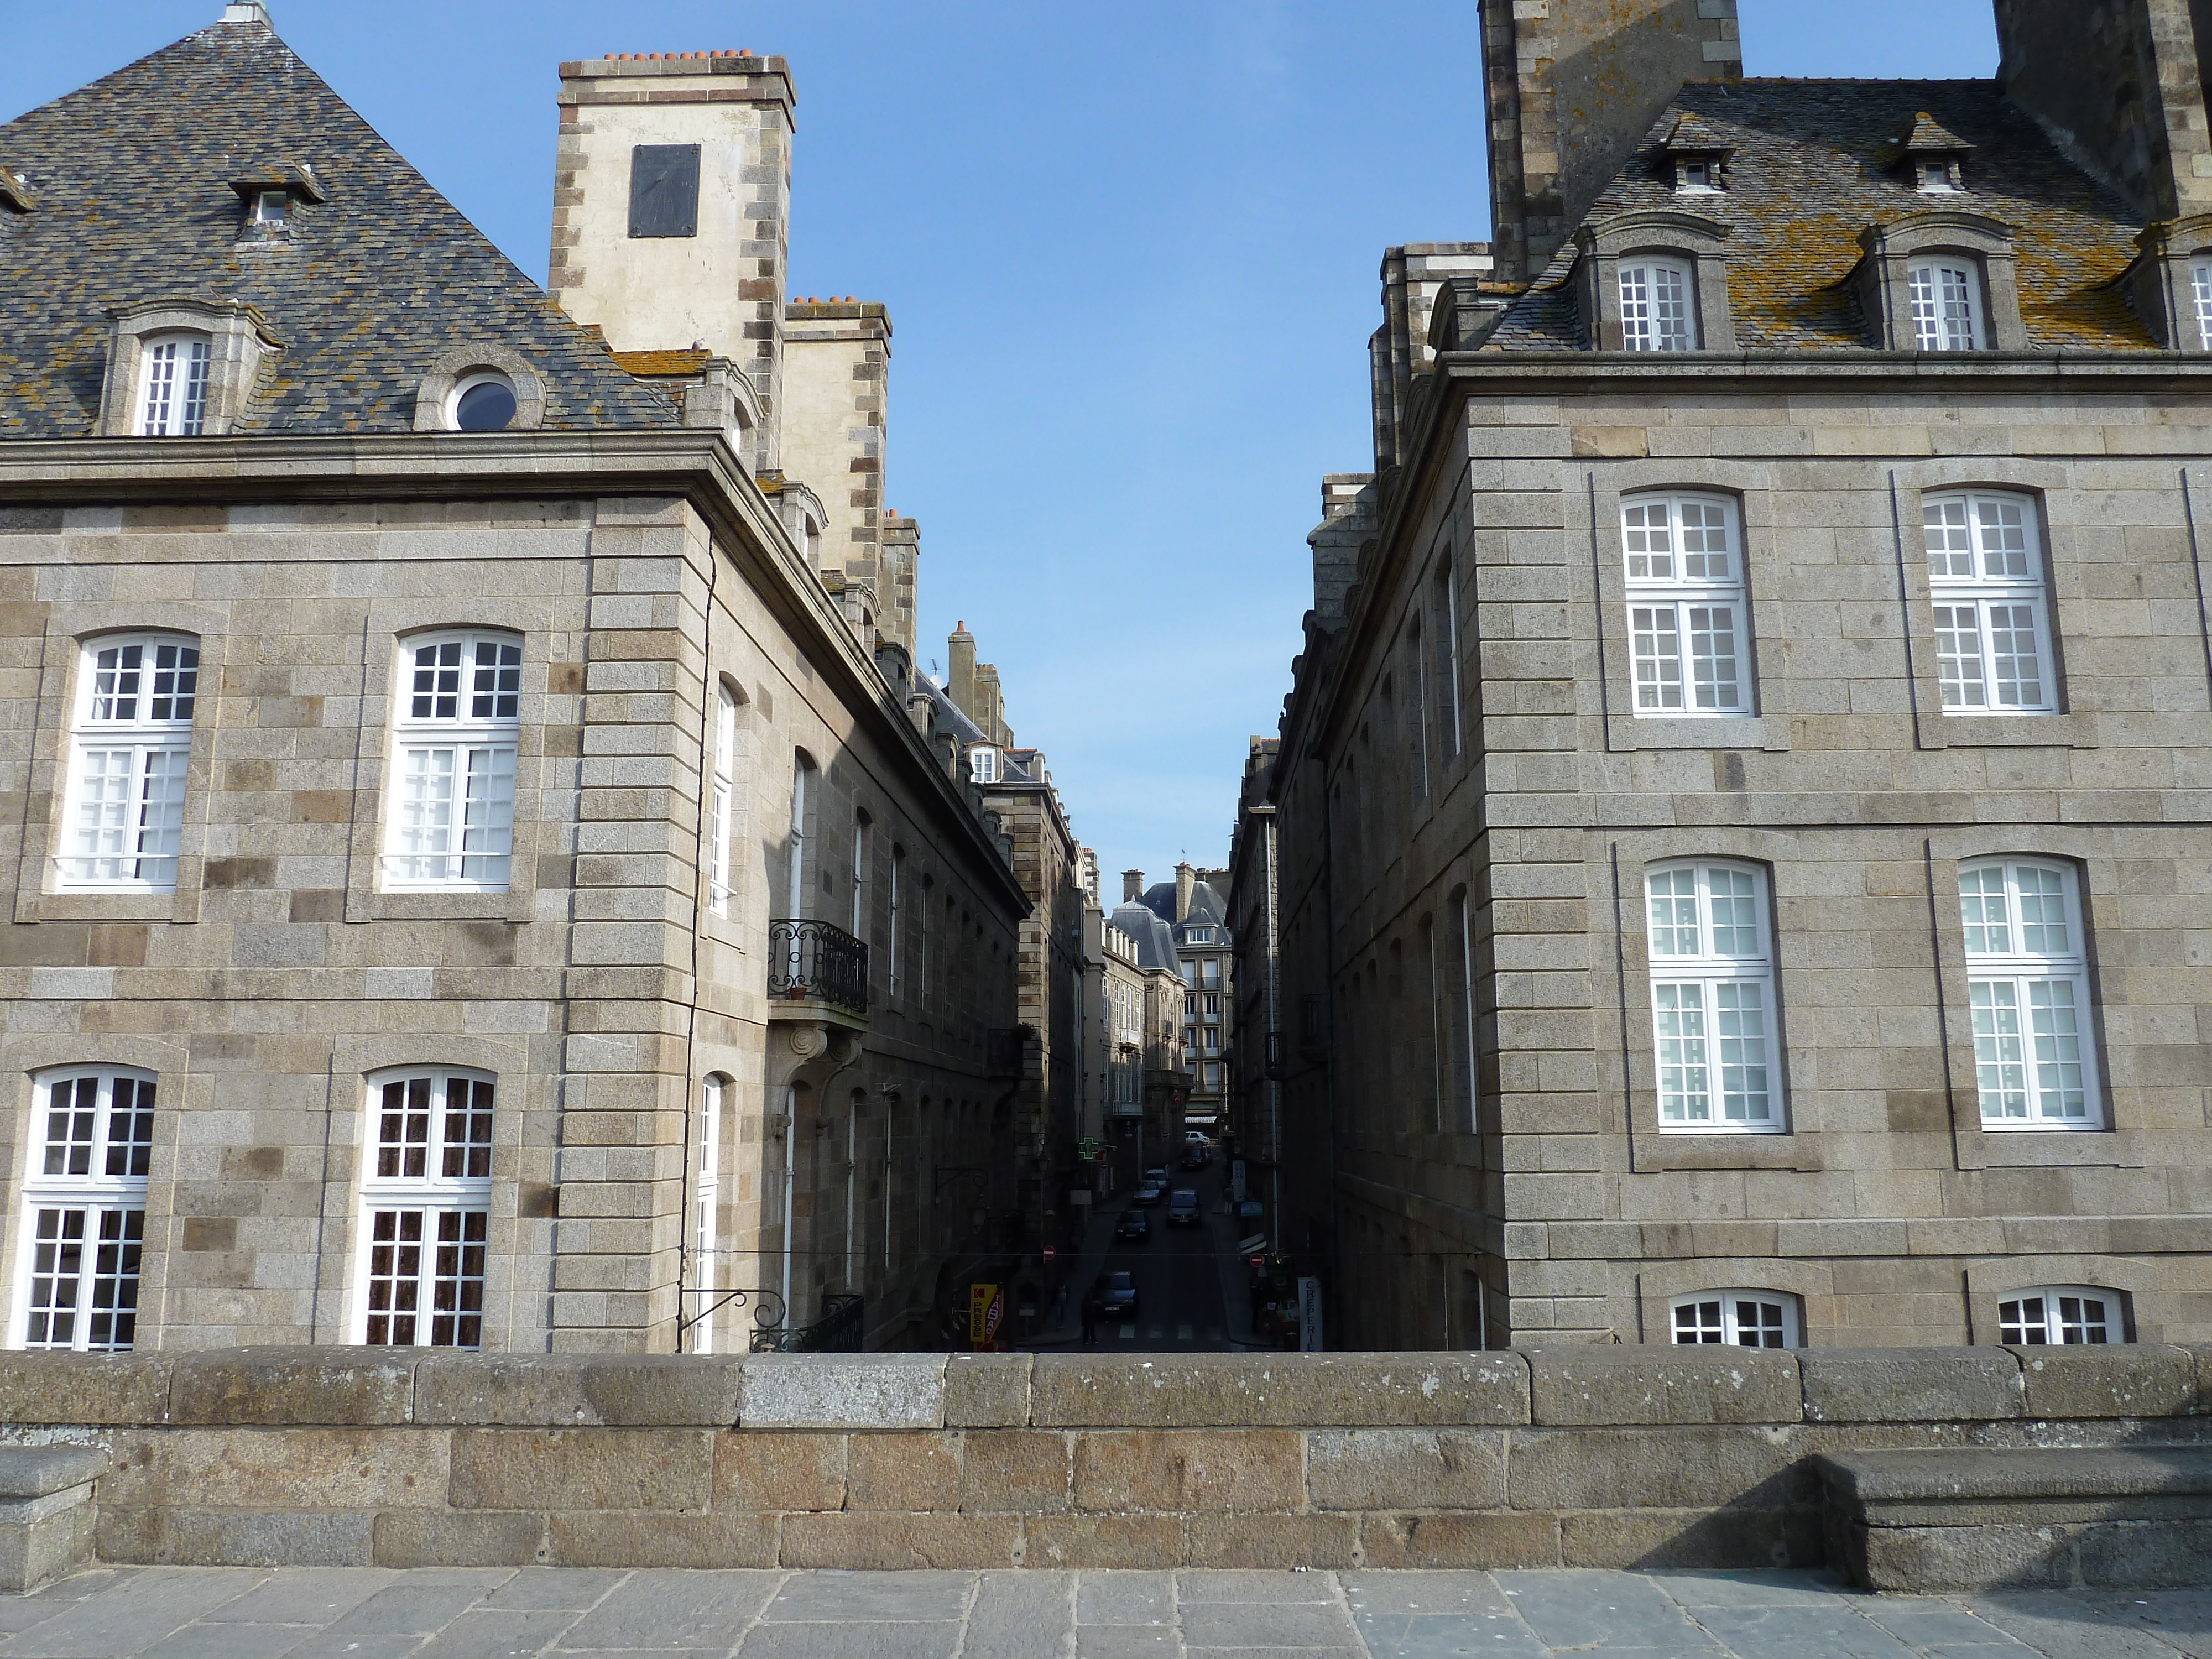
{"x": 1992, "y": 623}
{"x": 725, "y": 800}
{"x": 860, "y": 875}
{"x": 1686, "y": 632}
{"x": 706, "y": 1198}
{"x": 1741, "y": 1319}
{"x": 1658, "y": 305}
{"x": 802, "y": 818}
{"x": 1712, "y": 1000}
{"x": 173, "y": 395}
{"x": 2055, "y": 1315}
{"x": 456, "y": 725}
{"x": 84, "y": 1209}
{"x": 2028, "y": 989}
{"x": 426, "y": 1208}
{"x": 1947, "y": 303}
{"x": 124, "y": 805}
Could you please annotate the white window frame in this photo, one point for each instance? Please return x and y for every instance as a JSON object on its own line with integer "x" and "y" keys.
{"x": 1694, "y": 992}
{"x": 2036, "y": 974}
{"x": 1689, "y": 616}
{"x": 456, "y": 736}
{"x": 725, "y": 798}
{"x": 898, "y": 870}
{"x": 1985, "y": 585}
{"x": 2200, "y": 295}
{"x": 82, "y": 1223}
{"x": 1736, "y": 1318}
{"x": 2061, "y": 1316}
{"x": 860, "y": 827}
{"x": 1658, "y": 304}
{"x": 450, "y": 1208}
{"x": 123, "y": 805}
{"x": 174, "y": 370}
{"x": 707, "y": 1197}
{"x": 1198, "y": 936}
{"x": 1948, "y": 313}
{"x": 983, "y": 763}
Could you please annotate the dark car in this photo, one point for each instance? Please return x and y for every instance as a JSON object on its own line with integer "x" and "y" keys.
{"x": 1194, "y": 1158}
{"x": 1118, "y": 1296}
{"x": 1150, "y": 1193}
{"x": 1133, "y": 1226}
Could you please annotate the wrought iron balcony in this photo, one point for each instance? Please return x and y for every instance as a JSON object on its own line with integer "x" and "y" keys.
{"x": 816, "y": 962}
{"x": 838, "y": 1331}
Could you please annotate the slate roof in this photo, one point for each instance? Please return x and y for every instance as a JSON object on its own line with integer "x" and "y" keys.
{"x": 1812, "y": 169}
{"x": 1156, "y": 947}
{"x": 1207, "y": 907}
{"x": 131, "y": 177}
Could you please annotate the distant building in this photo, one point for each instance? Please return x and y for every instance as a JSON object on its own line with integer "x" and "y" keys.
{"x": 1198, "y": 916}
{"x": 1153, "y": 964}
{"x": 1254, "y": 1101}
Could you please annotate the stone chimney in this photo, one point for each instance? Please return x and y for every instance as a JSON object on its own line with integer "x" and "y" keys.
{"x": 672, "y": 209}
{"x": 960, "y": 664}
{"x": 1186, "y": 879}
{"x": 246, "y": 11}
{"x": 1573, "y": 86}
{"x": 2120, "y": 87}
{"x": 1132, "y": 886}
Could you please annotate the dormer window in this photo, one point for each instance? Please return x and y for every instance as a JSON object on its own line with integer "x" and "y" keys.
{"x": 269, "y": 190}
{"x": 175, "y": 378}
{"x": 1658, "y": 305}
{"x": 1932, "y": 156}
{"x": 270, "y": 208}
{"x": 1946, "y": 304}
{"x": 1937, "y": 178}
{"x": 1697, "y": 178}
{"x": 1654, "y": 280}
{"x": 1697, "y": 152}
{"x": 983, "y": 765}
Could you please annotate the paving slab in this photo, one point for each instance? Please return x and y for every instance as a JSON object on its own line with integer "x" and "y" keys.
{"x": 861, "y": 1597}
{"x": 1800, "y": 1633}
{"x": 1125, "y": 1598}
{"x": 1127, "y": 1641}
{"x": 674, "y": 1611}
{"x": 130, "y": 1618}
{"x": 1603, "y": 1612}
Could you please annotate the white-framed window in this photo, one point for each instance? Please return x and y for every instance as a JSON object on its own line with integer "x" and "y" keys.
{"x": 1689, "y": 647}
{"x": 1713, "y": 1010}
{"x": 983, "y": 765}
{"x": 1210, "y": 1076}
{"x": 1198, "y": 936}
{"x": 725, "y": 800}
{"x": 1935, "y": 178}
{"x": 2055, "y": 1315}
{"x": 1658, "y": 305}
{"x": 2200, "y": 293}
{"x": 1213, "y": 1039}
{"x": 1947, "y": 304}
{"x": 1992, "y": 618}
{"x": 123, "y": 808}
{"x": 1739, "y": 1319}
{"x": 1697, "y": 178}
{"x": 1213, "y": 1005}
{"x": 84, "y": 1210}
{"x": 457, "y": 717}
{"x": 426, "y": 1209}
{"x": 174, "y": 392}
{"x": 2028, "y": 991}
{"x": 898, "y": 881}
{"x": 706, "y": 1199}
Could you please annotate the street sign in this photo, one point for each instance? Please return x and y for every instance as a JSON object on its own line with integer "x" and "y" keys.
{"x": 1309, "y": 1316}
{"x": 1236, "y": 1179}
{"x": 1051, "y": 1253}
{"x": 987, "y": 1306}
{"x": 1088, "y": 1148}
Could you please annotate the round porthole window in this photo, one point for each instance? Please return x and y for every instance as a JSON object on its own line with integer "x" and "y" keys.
{"x": 483, "y": 401}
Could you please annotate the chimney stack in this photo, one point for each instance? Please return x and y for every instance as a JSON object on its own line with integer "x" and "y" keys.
{"x": 1186, "y": 879}
{"x": 960, "y": 660}
{"x": 1132, "y": 886}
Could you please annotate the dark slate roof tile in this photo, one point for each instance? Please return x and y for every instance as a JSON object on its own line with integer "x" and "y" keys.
{"x": 1811, "y": 170}
{"x": 131, "y": 178}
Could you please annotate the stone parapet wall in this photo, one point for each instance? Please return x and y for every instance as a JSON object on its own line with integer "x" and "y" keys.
{"x": 1592, "y": 1457}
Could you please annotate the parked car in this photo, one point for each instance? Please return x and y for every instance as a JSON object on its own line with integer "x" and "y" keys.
{"x": 1182, "y": 1207}
{"x": 1134, "y": 1226}
{"x": 1158, "y": 1172}
{"x": 1118, "y": 1295}
{"x": 1194, "y": 1158}
{"x": 1150, "y": 1192}
{"x": 1193, "y": 1137}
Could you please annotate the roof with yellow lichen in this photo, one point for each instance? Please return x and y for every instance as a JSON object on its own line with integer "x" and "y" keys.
{"x": 1814, "y": 166}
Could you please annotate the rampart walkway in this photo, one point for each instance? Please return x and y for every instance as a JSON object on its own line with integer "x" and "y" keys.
{"x": 242, "y": 1613}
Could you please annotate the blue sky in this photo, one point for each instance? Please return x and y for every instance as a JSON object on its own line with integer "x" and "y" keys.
{"x": 1130, "y": 250}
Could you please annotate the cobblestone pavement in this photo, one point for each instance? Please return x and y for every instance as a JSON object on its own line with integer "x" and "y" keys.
{"x": 238, "y": 1613}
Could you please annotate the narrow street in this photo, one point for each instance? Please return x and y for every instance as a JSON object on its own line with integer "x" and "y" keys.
{"x": 1191, "y": 1283}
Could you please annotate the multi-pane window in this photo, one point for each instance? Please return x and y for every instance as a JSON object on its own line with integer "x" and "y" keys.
{"x": 1740, "y": 1319}
{"x": 899, "y": 876}
{"x": 1213, "y": 1039}
{"x": 1417, "y": 733}
{"x": 84, "y": 1210}
{"x": 706, "y": 1199}
{"x": 860, "y": 875}
{"x": 2059, "y": 1314}
{"x": 983, "y": 765}
{"x": 2028, "y": 992}
{"x": 173, "y": 400}
{"x": 1443, "y": 658}
{"x": 426, "y": 1208}
{"x": 456, "y": 725}
{"x": 1992, "y": 625}
{"x": 1688, "y": 648}
{"x": 1712, "y": 998}
{"x": 1658, "y": 305}
{"x": 725, "y": 800}
{"x": 123, "y": 807}
{"x": 1946, "y": 304}
{"x": 2200, "y": 293}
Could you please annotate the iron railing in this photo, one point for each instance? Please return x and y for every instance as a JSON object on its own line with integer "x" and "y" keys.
{"x": 838, "y": 1331}
{"x": 815, "y": 961}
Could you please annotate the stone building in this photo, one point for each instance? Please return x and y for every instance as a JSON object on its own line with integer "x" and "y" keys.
{"x": 471, "y": 881}
{"x": 1254, "y": 1107}
{"x": 1743, "y": 846}
{"x": 1152, "y": 971}
{"x": 1197, "y": 915}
